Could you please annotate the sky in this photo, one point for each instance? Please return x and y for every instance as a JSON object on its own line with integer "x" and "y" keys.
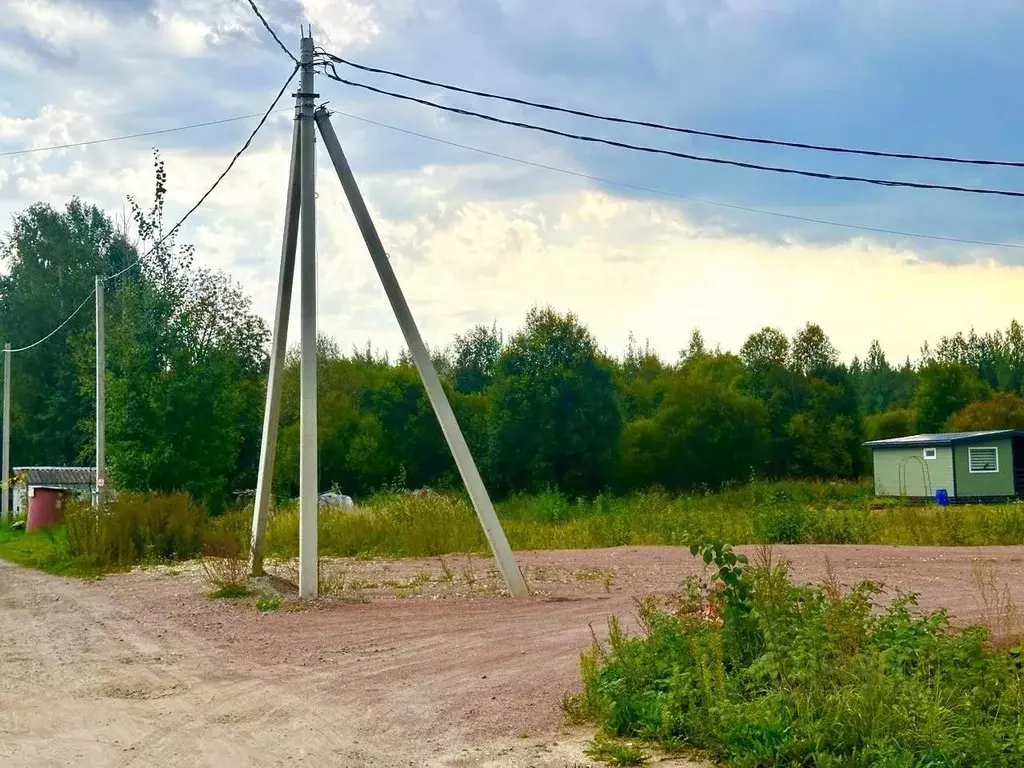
{"x": 476, "y": 238}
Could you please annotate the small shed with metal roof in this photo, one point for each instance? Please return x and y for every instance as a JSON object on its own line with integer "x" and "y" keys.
{"x": 967, "y": 465}
{"x": 78, "y": 481}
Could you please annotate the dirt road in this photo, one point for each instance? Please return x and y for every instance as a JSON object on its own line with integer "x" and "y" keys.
{"x": 141, "y": 669}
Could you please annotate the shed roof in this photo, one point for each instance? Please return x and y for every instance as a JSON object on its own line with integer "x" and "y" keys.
{"x": 57, "y": 477}
{"x": 943, "y": 438}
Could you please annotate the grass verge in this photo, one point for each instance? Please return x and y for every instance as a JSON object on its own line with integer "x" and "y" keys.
{"x": 137, "y": 529}
{"x": 401, "y": 525}
{"x": 133, "y": 530}
{"x": 45, "y": 550}
{"x": 616, "y": 752}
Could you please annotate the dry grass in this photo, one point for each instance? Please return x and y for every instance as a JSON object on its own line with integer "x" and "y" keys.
{"x": 135, "y": 528}
{"x": 225, "y": 566}
{"x": 998, "y": 610}
{"x": 404, "y": 525}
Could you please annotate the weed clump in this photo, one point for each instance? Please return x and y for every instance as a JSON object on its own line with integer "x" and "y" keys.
{"x": 616, "y": 752}
{"x": 225, "y": 566}
{"x": 268, "y": 603}
{"x": 752, "y": 669}
{"x": 230, "y": 592}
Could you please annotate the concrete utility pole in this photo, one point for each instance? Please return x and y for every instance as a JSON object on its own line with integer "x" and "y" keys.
{"x": 278, "y": 348}
{"x": 5, "y": 510}
{"x": 442, "y": 408}
{"x": 101, "y": 408}
{"x": 309, "y": 491}
{"x": 300, "y": 229}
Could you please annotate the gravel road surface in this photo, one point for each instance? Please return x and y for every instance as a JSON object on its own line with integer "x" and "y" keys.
{"x": 411, "y": 662}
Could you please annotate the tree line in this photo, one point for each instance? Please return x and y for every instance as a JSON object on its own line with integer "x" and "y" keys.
{"x": 542, "y": 407}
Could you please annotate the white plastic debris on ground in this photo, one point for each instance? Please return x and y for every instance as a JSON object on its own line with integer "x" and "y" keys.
{"x": 336, "y": 500}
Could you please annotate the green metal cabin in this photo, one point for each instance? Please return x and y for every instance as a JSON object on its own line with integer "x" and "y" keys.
{"x": 968, "y": 465}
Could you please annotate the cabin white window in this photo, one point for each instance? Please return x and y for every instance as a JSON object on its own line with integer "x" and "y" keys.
{"x": 929, "y": 453}
{"x": 983, "y": 460}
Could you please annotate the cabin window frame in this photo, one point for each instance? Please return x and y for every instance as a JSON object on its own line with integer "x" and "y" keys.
{"x": 994, "y": 449}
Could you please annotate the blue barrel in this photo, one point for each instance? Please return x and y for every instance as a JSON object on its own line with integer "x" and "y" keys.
{"x": 941, "y": 497}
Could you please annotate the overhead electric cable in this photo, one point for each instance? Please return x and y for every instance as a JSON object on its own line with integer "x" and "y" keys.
{"x": 180, "y": 221}
{"x": 143, "y": 134}
{"x": 273, "y": 34}
{"x": 662, "y": 192}
{"x": 63, "y": 323}
{"x": 674, "y": 128}
{"x": 219, "y": 179}
{"x": 671, "y": 153}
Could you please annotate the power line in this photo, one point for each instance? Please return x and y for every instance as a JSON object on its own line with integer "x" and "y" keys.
{"x": 54, "y": 331}
{"x": 180, "y": 222}
{"x": 273, "y": 34}
{"x": 219, "y": 179}
{"x": 671, "y": 153}
{"x": 133, "y": 135}
{"x": 664, "y": 193}
{"x": 674, "y": 128}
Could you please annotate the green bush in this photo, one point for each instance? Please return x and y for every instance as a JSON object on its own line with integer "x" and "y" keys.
{"x": 135, "y": 528}
{"x": 757, "y": 671}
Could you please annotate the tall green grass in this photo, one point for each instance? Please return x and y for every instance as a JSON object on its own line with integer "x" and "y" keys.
{"x": 135, "y": 528}
{"x": 400, "y": 525}
{"x": 138, "y": 528}
{"x": 761, "y": 672}
{"x": 130, "y": 530}
{"x": 46, "y": 550}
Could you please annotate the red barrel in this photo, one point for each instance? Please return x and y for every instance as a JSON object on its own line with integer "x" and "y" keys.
{"x": 43, "y": 508}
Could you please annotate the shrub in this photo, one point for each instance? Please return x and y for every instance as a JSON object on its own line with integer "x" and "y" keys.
{"x": 895, "y": 423}
{"x": 225, "y": 566}
{"x": 757, "y": 671}
{"x": 1004, "y": 411}
{"x": 134, "y": 528}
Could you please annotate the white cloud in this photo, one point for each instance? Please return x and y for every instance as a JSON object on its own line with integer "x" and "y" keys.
{"x": 343, "y": 24}
{"x": 57, "y": 23}
{"x": 186, "y": 36}
{"x": 189, "y": 27}
{"x": 463, "y": 257}
{"x": 471, "y": 241}
{"x": 624, "y": 265}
